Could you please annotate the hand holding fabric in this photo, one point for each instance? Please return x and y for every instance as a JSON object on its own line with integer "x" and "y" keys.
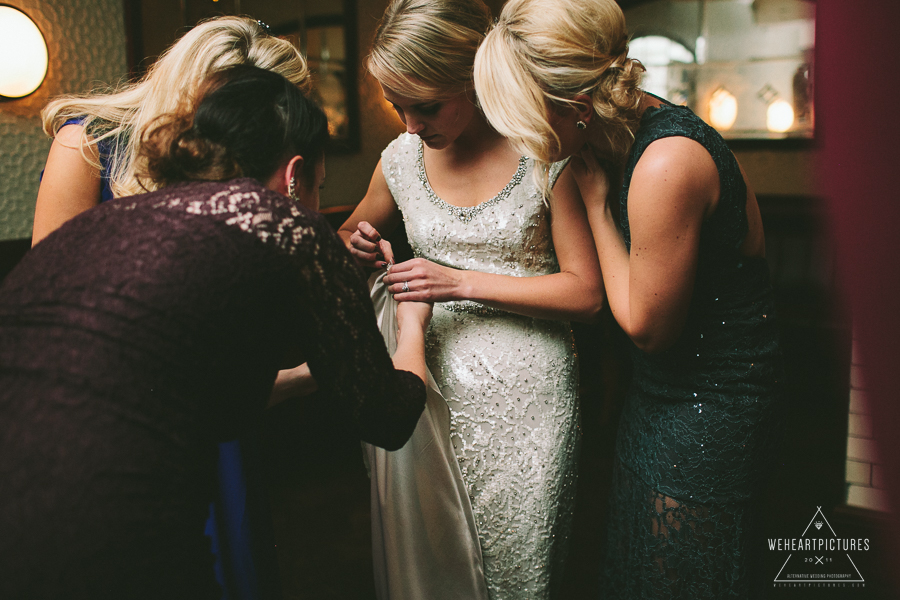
{"x": 369, "y": 248}
{"x": 420, "y": 280}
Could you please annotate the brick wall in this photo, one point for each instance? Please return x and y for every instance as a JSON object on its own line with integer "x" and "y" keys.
{"x": 865, "y": 473}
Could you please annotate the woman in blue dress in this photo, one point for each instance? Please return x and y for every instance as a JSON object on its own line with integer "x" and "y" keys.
{"x": 95, "y": 157}
{"x": 681, "y": 246}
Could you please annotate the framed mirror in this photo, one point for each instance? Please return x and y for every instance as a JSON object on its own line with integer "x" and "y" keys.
{"x": 329, "y": 45}
{"x": 326, "y": 35}
{"x": 325, "y": 32}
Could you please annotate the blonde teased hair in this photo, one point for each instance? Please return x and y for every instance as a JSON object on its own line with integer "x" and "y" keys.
{"x": 425, "y": 49}
{"x": 170, "y": 83}
{"x": 544, "y": 53}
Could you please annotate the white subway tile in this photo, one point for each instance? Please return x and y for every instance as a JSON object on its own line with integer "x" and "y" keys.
{"x": 860, "y": 425}
{"x": 859, "y": 402}
{"x": 878, "y": 477}
{"x": 856, "y": 357}
{"x": 857, "y": 377}
{"x": 859, "y": 472}
{"x": 862, "y": 450}
{"x": 866, "y": 497}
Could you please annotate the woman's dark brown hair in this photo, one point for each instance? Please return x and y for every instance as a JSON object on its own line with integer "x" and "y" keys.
{"x": 247, "y": 122}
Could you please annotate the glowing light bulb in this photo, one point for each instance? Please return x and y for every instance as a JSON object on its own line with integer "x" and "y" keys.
{"x": 23, "y": 54}
{"x": 780, "y": 116}
{"x": 723, "y": 109}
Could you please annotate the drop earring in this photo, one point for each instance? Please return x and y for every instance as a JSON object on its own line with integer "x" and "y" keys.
{"x": 581, "y": 125}
{"x": 292, "y": 190}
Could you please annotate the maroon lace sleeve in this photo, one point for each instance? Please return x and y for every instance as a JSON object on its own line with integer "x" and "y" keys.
{"x": 345, "y": 350}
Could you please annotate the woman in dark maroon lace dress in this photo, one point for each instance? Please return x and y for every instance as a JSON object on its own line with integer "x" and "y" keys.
{"x": 124, "y": 362}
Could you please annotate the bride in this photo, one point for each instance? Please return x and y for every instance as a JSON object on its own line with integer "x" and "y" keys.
{"x": 508, "y": 271}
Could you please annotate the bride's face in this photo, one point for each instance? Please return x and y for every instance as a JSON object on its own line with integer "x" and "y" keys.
{"x": 438, "y": 122}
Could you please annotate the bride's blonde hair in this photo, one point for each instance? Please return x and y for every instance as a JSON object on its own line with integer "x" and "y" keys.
{"x": 544, "y": 53}
{"x": 425, "y": 49}
{"x": 173, "y": 80}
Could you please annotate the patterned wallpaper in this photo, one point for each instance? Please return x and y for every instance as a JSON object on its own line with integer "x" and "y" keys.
{"x": 86, "y": 42}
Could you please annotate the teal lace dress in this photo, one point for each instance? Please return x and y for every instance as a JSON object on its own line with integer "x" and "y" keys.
{"x": 700, "y": 424}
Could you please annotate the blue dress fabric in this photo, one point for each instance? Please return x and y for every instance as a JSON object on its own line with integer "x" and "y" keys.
{"x": 239, "y": 524}
{"x": 120, "y": 371}
{"x": 104, "y": 149}
{"x": 701, "y": 422}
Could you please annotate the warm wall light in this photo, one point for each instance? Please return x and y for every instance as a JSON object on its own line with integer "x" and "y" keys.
{"x": 780, "y": 116}
{"x": 23, "y": 54}
{"x": 723, "y": 108}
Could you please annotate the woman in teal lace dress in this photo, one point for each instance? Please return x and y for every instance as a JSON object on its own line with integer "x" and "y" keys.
{"x": 681, "y": 246}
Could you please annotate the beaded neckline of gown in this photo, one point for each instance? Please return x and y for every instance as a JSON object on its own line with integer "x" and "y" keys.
{"x": 466, "y": 213}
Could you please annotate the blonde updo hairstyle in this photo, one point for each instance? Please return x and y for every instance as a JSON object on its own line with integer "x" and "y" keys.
{"x": 425, "y": 49}
{"x": 544, "y": 53}
{"x": 171, "y": 83}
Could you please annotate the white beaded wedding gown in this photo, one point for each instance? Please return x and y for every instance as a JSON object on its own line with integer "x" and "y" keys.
{"x": 510, "y": 381}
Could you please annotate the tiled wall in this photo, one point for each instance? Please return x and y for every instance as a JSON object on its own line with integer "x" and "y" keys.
{"x": 86, "y": 45}
{"x": 865, "y": 473}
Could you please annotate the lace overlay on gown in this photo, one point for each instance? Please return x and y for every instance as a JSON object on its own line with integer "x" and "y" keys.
{"x": 699, "y": 427}
{"x": 510, "y": 381}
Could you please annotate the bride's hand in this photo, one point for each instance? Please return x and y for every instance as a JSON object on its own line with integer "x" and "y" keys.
{"x": 591, "y": 179}
{"x": 369, "y": 248}
{"x": 420, "y": 280}
{"x": 414, "y": 314}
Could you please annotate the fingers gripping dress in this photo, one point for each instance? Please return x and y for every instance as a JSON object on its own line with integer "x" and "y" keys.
{"x": 510, "y": 381}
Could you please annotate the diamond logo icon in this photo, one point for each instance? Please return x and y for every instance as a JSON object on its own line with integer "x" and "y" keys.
{"x": 819, "y": 558}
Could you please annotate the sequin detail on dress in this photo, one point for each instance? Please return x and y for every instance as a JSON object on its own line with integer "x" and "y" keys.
{"x": 467, "y": 213}
{"x": 699, "y": 427}
{"x": 510, "y": 381}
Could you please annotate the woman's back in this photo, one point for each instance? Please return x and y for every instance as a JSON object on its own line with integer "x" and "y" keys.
{"x": 126, "y": 359}
{"x": 732, "y": 303}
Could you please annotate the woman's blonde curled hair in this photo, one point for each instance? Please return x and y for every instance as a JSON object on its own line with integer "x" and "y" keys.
{"x": 425, "y": 49}
{"x": 544, "y": 53}
{"x": 171, "y": 82}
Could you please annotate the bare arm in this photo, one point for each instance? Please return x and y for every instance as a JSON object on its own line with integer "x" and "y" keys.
{"x": 412, "y": 321}
{"x": 291, "y": 383}
{"x": 674, "y": 188}
{"x": 575, "y": 293}
{"x": 376, "y": 215}
{"x": 70, "y": 185}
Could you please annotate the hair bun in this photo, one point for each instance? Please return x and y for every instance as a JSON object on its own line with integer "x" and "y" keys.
{"x": 174, "y": 151}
